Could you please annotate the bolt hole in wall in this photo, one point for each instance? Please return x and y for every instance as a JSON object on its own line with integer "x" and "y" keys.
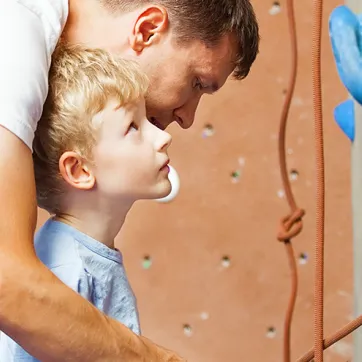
{"x": 275, "y": 8}
{"x": 187, "y": 330}
{"x": 235, "y": 176}
{"x": 146, "y": 262}
{"x": 208, "y": 130}
{"x": 293, "y": 175}
{"x": 303, "y": 258}
{"x": 271, "y": 332}
{"x": 225, "y": 261}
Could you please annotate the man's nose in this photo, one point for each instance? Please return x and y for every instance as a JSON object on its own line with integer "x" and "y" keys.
{"x": 185, "y": 115}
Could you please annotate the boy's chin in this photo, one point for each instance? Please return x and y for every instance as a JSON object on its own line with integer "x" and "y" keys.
{"x": 155, "y": 194}
{"x": 173, "y": 186}
{"x": 162, "y": 192}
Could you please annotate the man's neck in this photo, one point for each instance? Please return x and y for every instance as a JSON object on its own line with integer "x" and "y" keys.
{"x": 89, "y": 23}
{"x": 101, "y": 223}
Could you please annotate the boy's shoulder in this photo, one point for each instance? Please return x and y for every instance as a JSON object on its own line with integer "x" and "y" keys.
{"x": 55, "y": 245}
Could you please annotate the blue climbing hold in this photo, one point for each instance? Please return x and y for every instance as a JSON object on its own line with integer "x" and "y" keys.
{"x": 344, "y": 116}
{"x": 345, "y": 31}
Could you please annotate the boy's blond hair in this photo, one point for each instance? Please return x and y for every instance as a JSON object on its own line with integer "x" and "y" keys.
{"x": 81, "y": 82}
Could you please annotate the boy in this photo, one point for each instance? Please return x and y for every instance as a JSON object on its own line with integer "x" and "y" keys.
{"x": 95, "y": 154}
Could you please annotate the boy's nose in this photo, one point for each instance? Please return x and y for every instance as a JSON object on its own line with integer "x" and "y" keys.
{"x": 165, "y": 139}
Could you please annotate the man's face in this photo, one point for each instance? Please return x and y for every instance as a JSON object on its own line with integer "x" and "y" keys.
{"x": 180, "y": 76}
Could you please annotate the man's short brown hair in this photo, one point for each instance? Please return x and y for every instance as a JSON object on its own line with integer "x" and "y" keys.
{"x": 208, "y": 21}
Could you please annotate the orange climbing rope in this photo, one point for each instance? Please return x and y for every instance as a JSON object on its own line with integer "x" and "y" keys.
{"x": 320, "y": 184}
{"x": 343, "y": 332}
{"x": 291, "y": 225}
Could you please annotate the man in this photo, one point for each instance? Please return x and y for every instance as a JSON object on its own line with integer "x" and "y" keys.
{"x": 187, "y": 48}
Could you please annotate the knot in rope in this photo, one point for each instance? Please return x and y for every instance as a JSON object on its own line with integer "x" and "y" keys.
{"x": 291, "y": 225}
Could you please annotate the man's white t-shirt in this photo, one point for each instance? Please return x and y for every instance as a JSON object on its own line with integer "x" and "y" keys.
{"x": 29, "y": 32}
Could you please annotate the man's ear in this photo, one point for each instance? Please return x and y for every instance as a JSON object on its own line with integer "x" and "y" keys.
{"x": 150, "y": 25}
{"x": 75, "y": 172}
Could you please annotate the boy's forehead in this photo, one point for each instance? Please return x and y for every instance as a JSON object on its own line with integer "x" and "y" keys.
{"x": 114, "y": 114}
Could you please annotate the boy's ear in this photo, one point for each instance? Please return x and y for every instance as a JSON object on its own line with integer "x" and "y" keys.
{"x": 75, "y": 172}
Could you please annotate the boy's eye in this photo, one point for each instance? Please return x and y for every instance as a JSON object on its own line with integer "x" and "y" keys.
{"x": 132, "y": 127}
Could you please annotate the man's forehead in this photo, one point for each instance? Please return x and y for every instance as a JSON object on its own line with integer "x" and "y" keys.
{"x": 216, "y": 61}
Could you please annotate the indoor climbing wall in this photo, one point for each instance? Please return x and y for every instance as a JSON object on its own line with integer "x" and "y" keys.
{"x": 211, "y": 279}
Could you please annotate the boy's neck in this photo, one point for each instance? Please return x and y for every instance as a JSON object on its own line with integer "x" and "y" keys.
{"x": 102, "y": 224}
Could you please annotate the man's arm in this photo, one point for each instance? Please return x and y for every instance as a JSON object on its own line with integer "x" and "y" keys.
{"x": 46, "y": 317}
{"x": 38, "y": 311}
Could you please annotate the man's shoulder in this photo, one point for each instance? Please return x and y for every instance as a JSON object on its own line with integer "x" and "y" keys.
{"x": 29, "y": 32}
{"x": 52, "y": 14}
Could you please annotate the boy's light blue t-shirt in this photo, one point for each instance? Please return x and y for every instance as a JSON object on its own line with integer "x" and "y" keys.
{"x": 87, "y": 266}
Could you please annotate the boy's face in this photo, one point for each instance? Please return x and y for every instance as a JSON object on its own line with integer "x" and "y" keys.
{"x": 130, "y": 155}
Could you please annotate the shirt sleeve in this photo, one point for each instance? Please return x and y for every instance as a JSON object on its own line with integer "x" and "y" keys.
{"x": 77, "y": 278}
{"x": 24, "y": 67}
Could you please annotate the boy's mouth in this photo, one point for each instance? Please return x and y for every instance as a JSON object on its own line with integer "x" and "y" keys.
{"x": 165, "y": 165}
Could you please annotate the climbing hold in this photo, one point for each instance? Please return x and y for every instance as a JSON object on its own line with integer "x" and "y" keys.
{"x": 344, "y": 116}
{"x": 345, "y": 30}
{"x": 175, "y": 186}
